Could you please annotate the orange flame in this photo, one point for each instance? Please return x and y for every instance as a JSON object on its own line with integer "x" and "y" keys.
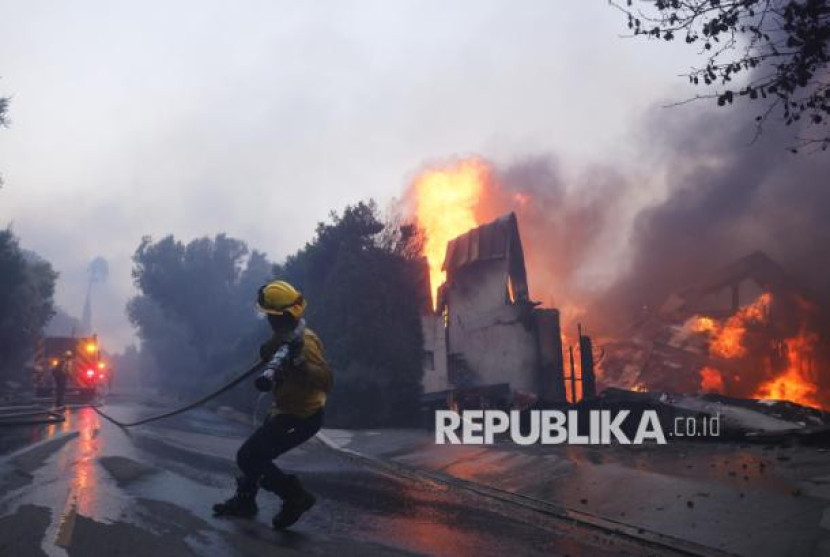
{"x": 711, "y": 380}
{"x": 727, "y": 341}
{"x": 791, "y": 380}
{"x": 796, "y": 382}
{"x": 446, "y": 199}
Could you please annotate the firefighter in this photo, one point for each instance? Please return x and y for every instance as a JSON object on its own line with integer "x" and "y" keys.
{"x": 60, "y": 373}
{"x": 297, "y": 374}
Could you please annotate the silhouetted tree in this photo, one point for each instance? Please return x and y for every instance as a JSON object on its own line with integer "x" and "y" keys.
{"x": 196, "y": 314}
{"x": 27, "y": 286}
{"x": 769, "y": 51}
{"x": 364, "y": 302}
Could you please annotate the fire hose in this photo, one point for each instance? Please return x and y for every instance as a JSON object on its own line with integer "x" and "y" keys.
{"x": 29, "y": 415}
{"x": 265, "y": 382}
{"x": 289, "y": 350}
{"x": 41, "y": 415}
{"x": 190, "y": 406}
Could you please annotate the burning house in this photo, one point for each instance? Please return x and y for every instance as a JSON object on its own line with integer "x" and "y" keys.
{"x": 747, "y": 330}
{"x": 486, "y": 339}
{"x": 744, "y": 331}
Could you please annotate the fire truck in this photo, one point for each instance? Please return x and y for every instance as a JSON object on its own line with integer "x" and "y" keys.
{"x": 89, "y": 374}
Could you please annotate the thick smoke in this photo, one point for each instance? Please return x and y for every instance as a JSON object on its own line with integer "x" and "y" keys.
{"x": 726, "y": 199}
{"x": 609, "y": 244}
{"x": 563, "y": 226}
{"x": 607, "y": 247}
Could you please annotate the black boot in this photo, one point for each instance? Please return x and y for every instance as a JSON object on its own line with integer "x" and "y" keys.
{"x": 295, "y": 501}
{"x": 243, "y": 502}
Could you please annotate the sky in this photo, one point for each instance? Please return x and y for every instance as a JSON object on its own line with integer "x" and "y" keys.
{"x": 257, "y": 118}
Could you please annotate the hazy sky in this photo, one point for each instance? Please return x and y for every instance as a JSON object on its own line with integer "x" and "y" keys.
{"x": 257, "y": 118}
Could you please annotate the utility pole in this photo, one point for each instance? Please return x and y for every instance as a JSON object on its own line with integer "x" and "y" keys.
{"x": 586, "y": 365}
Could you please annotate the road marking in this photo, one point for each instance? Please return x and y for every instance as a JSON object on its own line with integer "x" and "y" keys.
{"x": 66, "y": 527}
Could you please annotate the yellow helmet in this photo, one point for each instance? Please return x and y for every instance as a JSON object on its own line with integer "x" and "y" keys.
{"x": 280, "y": 298}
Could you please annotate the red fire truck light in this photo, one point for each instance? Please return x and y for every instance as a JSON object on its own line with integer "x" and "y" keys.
{"x": 90, "y": 373}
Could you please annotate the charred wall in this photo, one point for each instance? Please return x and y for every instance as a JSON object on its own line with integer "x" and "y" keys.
{"x": 488, "y": 332}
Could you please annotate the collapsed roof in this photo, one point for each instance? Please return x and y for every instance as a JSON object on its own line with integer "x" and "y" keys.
{"x": 757, "y": 267}
{"x": 495, "y": 240}
{"x": 659, "y": 353}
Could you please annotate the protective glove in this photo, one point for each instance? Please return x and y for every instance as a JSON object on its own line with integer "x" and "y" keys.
{"x": 269, "y": 379}
{"x": 278, "y": 356}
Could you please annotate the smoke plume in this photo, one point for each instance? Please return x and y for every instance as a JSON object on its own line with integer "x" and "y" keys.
{"x": 727, "y": 198}
{"x": 607, "y": 244}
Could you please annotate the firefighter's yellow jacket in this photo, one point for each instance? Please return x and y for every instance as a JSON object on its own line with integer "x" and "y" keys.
{"x": 305, "y": 387}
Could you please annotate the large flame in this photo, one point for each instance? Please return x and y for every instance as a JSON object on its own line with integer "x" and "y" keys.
{"x": 787, "y": 366}
{"x": 726, "y": 341}
{"x": 796, "y": 383}
{"x": 445, "y": 204}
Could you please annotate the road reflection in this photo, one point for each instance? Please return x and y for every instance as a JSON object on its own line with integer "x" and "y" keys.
{"x": 431, "y": 520}
{"x": 84, "y": 482}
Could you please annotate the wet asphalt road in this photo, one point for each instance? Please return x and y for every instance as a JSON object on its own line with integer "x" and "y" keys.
{"x": 84, "y": 487}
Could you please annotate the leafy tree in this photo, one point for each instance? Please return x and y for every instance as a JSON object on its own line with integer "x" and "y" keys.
{"x": 773, "y": 52}
{"x": 195, "y": 314}
{"x": 364, "y": 302}
{"x": 27, "y": 286}
{"x": 362, "y": 279}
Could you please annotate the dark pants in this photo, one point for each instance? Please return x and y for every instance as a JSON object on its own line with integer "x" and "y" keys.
{"x": 278, "y": 435}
